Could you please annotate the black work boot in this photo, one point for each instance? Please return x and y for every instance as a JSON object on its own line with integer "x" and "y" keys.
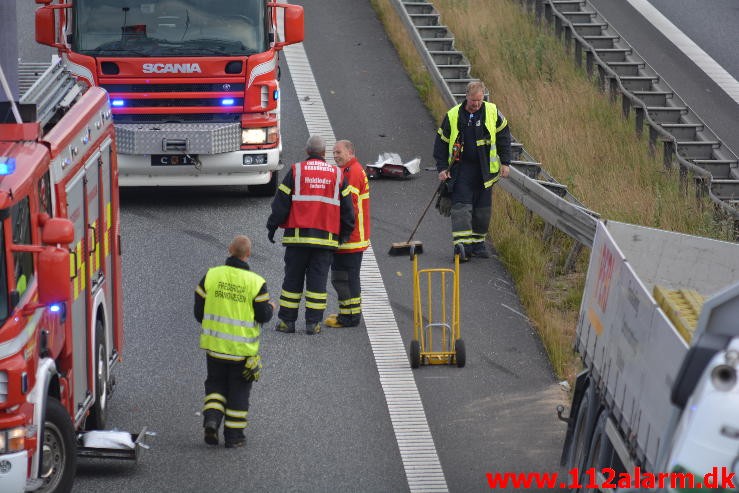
{"x": 286, "y": 327}
{"x": 210, "y": 434}
{"x": 313, "y": 328}
{"x": 460, "y": 250}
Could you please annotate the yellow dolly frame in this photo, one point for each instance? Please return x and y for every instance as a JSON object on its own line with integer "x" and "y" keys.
{"x": 448, "y": 349}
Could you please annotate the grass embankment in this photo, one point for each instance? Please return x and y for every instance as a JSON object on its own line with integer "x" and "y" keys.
{"x": 567, "y": 124}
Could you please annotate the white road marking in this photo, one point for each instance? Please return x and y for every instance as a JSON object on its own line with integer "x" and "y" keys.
{"x": 702, "y": 59}
{"x": 415, "y": 443}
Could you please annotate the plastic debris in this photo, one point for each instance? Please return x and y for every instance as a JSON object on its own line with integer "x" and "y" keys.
{"x": 390, "y": 164}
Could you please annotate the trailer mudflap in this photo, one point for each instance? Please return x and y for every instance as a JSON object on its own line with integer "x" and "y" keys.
{"x": 109, "y": 444}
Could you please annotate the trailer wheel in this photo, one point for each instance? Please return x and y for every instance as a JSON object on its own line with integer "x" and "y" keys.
{"x": 582, "y": 433}
{"x": 415, "y": 354}
{"x": 59, "y": 450}
{"x": 268, "y": 189}
{"x": 98, "y": 413}
{"x": 600, "y": 453}
{"x": 461, "y": 353}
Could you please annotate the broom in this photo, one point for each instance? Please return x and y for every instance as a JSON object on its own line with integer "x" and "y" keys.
{"x": 404, "y": 247}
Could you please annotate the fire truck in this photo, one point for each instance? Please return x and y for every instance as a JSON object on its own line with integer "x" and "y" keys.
{"x": 61, "y": 330}
{"x": 193, "y": 83}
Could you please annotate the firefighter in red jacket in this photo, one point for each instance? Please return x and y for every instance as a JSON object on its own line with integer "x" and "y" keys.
{"x": 347, "y": 262}
{"x": 314, "y": 207}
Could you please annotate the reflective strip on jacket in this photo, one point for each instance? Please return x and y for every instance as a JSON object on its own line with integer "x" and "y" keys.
{"x": 490, "y": 175}
{"x": 358, "y": 186}
{"x": 228, "y": 325}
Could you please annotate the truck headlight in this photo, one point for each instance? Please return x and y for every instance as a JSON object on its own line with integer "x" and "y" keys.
{"x": 254, "y": 136}
{"x": 12, "y": 440}
{"x": 266, "y": 135}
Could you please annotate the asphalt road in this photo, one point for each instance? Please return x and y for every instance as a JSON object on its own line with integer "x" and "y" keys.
{"x": 318, "y": 419}
{"x": 712, "y": 26}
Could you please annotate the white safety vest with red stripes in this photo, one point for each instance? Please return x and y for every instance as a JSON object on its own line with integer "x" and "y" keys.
{"x": 316, "y": 196}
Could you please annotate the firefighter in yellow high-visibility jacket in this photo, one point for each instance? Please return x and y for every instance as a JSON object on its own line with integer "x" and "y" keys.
{"x": 231, "y": 303}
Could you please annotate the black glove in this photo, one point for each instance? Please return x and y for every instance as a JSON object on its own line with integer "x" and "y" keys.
{"x": 252, "y": 368}
{"x": 444, "y": 205}
{"x": 271, "y": 235}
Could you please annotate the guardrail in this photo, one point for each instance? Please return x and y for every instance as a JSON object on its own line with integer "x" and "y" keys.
{"x": 528, "y": 182}
{"x": 685, "y": 137}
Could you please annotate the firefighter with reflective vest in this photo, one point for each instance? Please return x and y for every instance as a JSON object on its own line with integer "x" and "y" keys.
{"x": 231, "y": 303}
{"x": 314, "y": 206}
{"x": 347, "y": 262}
{"x": 472, "y": 151}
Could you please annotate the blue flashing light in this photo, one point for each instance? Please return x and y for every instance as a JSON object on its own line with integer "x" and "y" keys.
{"x": 55, "y": 308}
{"x": 227, "y": 102}
{"x": 277, "y": 94}
{"x": 7, "y": 165}
{"x": 118, "y": 103}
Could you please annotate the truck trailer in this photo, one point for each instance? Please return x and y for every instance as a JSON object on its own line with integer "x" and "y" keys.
{"x": 658, "y": 334}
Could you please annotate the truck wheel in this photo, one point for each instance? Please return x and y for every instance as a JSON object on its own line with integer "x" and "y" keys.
{"x": 583, "y": 427}
{"x": 415, "y": 354}
{"x": 266, "y": 190}
{"x": 97, "y": 417}
{"x": 600, "y": 454}
{"x": 461, "y": 353}
{"x": 59, "y": 450}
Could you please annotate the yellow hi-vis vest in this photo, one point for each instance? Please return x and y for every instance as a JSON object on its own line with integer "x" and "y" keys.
{"x": 228, "y": 317}
{"x": 491, "y": 118}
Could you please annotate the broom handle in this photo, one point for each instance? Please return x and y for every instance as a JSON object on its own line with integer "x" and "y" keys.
{"x": 424, "y": 213}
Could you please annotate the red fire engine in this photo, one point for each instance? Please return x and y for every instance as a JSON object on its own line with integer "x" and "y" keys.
{"x": 60, "y": 280}
{"x": 193, "y": 83}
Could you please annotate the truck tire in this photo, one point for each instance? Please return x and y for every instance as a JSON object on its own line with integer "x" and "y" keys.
{"x": 582, "y": 433}
{"x": 59, "y": 450}
{"x": 600, "y": 453}
{"x": 98, "y": 413}
{"x": 268, "y": 189}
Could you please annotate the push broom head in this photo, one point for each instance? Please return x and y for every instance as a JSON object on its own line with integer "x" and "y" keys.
{"x": 404, "y": 248}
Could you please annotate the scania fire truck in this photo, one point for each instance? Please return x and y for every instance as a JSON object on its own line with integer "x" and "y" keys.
{"x": 60, "y": 280}
{"x": 193, "y": 83}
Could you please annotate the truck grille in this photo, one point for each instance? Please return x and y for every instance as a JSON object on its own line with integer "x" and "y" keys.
{"x": 144, "y": 88}
{"x": 179, "y": 118}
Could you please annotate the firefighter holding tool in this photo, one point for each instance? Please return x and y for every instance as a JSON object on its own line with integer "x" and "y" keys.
{"x": 472, "y": 151}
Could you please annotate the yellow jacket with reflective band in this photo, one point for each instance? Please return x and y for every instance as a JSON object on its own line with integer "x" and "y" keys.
{"x": 228, "y": 325}
{"x": 490, "y": 175}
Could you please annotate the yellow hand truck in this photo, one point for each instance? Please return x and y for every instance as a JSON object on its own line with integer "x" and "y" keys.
{"x": 436, "y": 333}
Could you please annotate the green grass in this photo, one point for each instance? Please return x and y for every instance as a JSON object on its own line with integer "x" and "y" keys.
{"x": 566, "y": 123}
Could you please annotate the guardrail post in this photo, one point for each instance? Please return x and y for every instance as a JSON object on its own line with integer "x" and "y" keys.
{"x": 612, "y": 89}
{"x": 572, "y": 257}
{"x": 589, "y": 62}
{"x": 652, "y": 140}
{"x": 539, "y": 9}
{"x": 578, "y": 54}
{"x": 625, "y": 105}
{"x": 568, "y": 37}
{"x": 639, "y": 120}
{"x": 669, "y": 152}
{"x": 601, "y": 78}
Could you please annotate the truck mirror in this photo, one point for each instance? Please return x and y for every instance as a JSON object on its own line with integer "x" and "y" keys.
{"x": 53, "y": 276}
{"x": 294, "y": 27}
{"x": 45, "y": 33}
{"x": 57, "y": 230}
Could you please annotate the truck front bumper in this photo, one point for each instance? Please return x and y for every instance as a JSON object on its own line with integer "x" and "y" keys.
{"x": 13, "y": 469}
{"x": 211, "y": 169}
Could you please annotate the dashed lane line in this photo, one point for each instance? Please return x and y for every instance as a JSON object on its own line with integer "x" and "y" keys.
{"x": 412, "y": 433}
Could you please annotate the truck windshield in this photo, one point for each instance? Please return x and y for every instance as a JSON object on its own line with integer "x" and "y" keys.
{"x": 187, "y": 28}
